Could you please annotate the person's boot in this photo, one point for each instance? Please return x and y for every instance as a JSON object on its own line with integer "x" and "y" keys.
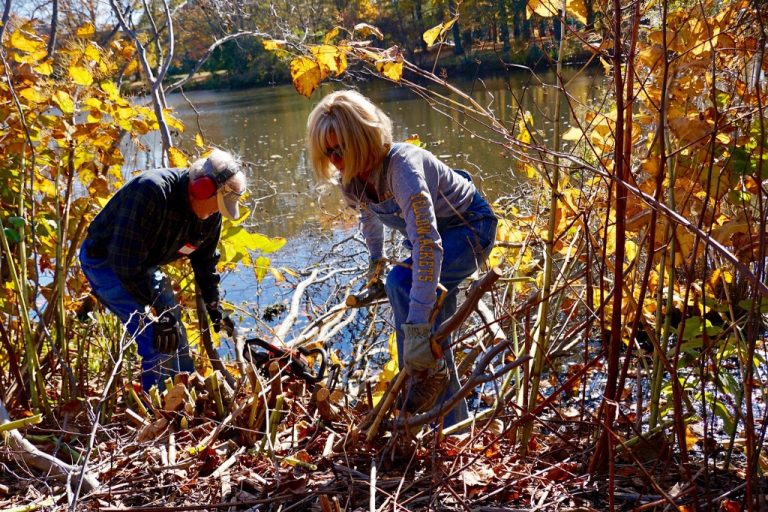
{"x": 425, "y": 389}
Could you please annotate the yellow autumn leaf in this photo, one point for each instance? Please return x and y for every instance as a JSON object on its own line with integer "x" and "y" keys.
{"x": 33, "y": 95}
{"x": 176, "y": 157}
{"x": 111, "y": 89}
{"x": 449, "y": 24}
{"x": 431, "y": 35}
{"x": 131, "y": 68}
{"x": 530, "y": 171}
{"x": 275, "y": 45}
{"x": 260, "y": 267}
{"x": 415, "y": 140}
{"x": 365, "y": 30}
{"x": 199, "y": 140}
{"x": 573, "y": 134}
{"x": 85, "y": 31}
{"x": 26, "y": 42}
{"x": 524, "y": 135}
{"x": 330, "y": 59}
{"x": 290, "y": 272}
{"x": 92, "y": 52}
{"x": 259, "y": 242}
{"x": 544, "y": 8}
{"x": 392, "y": 347}
{"x": 94, "y": 103}
{"x": 306, "y": 75}
{"x": 691, "y": 438}
{"x": 577, "y": 10}
{"x": 44, "y": 68}
{"x": 391, "y": 69}
{"x": 64, "y": 102}
{"x": 331, "y": 35}
{"x": 80, "y": 75}
{"x": 279, "y": 278}
{"x": 172, "y": 122}
{"x": 651, "y": 56}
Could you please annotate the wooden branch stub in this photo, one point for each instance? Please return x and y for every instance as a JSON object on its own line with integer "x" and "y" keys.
{"x": 385, "y": 404}
{"x": 325, "y": 408}
{"x": 476, "y": 291}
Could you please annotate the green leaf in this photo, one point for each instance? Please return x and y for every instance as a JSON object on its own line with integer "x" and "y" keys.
{"x": 721, "y": 411}
{"x": 17, "y": 222}
{"x": 738, "y": 162}
{"x": 694, "y": 329}
{"x": 747, "y": 304}
{"x": 12, "y": 235}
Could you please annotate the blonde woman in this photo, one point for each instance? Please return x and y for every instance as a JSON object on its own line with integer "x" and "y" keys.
{"x": 447, "y": 224}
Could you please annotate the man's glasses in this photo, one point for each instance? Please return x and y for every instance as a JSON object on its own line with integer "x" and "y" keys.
{"x": 335, "y": 151}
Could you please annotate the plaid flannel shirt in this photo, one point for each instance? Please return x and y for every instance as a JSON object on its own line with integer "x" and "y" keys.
{"x": 149, "y": 222}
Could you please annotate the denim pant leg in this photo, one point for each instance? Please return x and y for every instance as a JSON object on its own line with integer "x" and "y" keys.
{"x": 110, "y": 291}
{"x": 464, "y": 249}
{"x": 166, "y": 300}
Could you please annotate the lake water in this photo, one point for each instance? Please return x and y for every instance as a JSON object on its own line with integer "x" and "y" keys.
{"x": 266, "y": 127}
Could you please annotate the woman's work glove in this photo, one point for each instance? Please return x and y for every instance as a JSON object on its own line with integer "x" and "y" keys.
{"x": 220, "y": 318}
{"x": 375, "y": 272}
{"x": 167, "y": 333}
{"x": 417, "y": 350}
{"x": 373, "y": 289}
{"x": 430, "y": 376}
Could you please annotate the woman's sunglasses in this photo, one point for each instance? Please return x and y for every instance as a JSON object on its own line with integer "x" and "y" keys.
{"x": 336, "y": 151}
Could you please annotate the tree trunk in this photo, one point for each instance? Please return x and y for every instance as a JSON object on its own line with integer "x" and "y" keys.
{"x": 456, "y": 31}
{"x": 419, "y": 19}
{"x": 503, "y": 24}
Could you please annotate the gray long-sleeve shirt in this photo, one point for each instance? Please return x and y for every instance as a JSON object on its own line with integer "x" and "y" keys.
{"x": 411, "y": 194}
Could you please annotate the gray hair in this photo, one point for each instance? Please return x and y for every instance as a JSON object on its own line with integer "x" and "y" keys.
{"x": 217, "y": 162}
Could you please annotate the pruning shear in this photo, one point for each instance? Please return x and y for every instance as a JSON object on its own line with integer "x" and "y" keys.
{"x": 293, "y": 360}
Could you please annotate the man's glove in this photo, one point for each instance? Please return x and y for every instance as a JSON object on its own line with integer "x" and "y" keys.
{"x": 417, "y": 350}
{"x": 167, "y": 333}
{"x": 220, "y": 318}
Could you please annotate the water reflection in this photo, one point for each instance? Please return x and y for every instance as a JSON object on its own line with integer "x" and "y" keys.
{"x": 267, "y": 126}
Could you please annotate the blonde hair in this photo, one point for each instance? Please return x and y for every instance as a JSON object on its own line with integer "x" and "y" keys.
{"x": 362, "y": 129}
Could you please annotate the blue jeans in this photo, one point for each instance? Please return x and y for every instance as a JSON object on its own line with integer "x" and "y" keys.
{"x": 156, "y": 366}
{"x": 467, "y": 241}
